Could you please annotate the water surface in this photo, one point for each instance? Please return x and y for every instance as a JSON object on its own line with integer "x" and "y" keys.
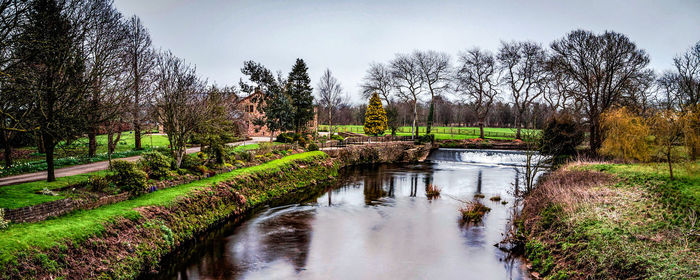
{"x": 376, "y": 223}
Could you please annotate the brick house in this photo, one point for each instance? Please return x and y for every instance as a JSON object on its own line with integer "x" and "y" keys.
{"x": 249, "y": 107}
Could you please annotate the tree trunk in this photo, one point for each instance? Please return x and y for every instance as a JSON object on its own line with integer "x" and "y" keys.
{"x": 137, "y": 136}
{"x": 8, "y": 148}
{"x": 39, "y": 143}
{"x": 136, "y": 113}
{"x": 481, "y": 130}
{"x": 518, "y": 124}
{"x": 430, "y": 117}
{"x": 92, "y": 141}
{"x": 415, "y": 118}
{"x": 594, "y": 140}
{"x": 49, "y": 146}
{"x": 330, "y": 122}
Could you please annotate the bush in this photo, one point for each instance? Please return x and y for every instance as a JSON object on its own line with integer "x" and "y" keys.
{"x": 98, "y": 183}
{"x": 291, "y": 137}
{"x": 191, "y": 162}
{"x": 155, "y": 164}
{"x": 128, "y": 177}
{"x": 560, "y": 136}
{"x": 312, "y": 147}
{"x": 285, "y": 137}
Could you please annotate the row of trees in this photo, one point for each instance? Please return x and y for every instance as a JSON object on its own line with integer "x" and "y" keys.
{"x": 583, "y": 73}
{"x": 71, "y": 68}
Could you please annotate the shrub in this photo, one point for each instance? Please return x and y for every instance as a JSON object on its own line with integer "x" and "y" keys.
{"x": 560, "y": 136}
{"x": 265, "y": 148}
{"x": 128, "y": 177}
{"x": 291, "y": 137}
{"x": 190, "y": 162}
{"x": 155, "y": 164}
{"x": 285, "y": 137}
{"x": 426, "y": 138}
{"x": 312, "y": 147}
{"x": 98, "y": 183}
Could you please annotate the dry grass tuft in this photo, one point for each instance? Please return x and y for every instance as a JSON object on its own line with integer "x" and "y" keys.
{"x": 432, "y": 191}
{"x": 473, "y": 212}
{"x": 567, "y": 188}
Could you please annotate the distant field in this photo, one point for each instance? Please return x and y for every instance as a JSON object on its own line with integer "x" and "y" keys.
{"x": 441, "y": 132}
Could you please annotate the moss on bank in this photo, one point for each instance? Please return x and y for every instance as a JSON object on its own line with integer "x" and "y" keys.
{"x": 613, "y": 222}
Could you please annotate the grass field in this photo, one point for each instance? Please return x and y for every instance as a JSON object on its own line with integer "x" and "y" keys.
{"x": 25, "y": 194}
{"x": 81, "y": 224}
{"x": 441, "y": 132}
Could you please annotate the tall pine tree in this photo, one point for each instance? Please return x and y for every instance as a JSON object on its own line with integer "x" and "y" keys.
{"x": 299, "y": 91}
{"x": 375, "y": 117}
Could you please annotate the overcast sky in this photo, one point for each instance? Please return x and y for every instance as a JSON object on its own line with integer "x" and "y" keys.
{"x": 346, "y": 36}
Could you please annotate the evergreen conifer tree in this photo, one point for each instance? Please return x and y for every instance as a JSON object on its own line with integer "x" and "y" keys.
{"x": 299, "y": 91}
{"x": 375, "y": 117}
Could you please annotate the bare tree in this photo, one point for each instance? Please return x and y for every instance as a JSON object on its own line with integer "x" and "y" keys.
{"x": 330, "y": 92}
{"x": 522, "y": 64}
{"x": 140, "y": 58}
{"x": 406, "y": 74}
{"x": 477, "y": 80}
{"x": 682, "y": 85}
{"x": 103, "y": 46}
{"x": 180, "y": 105}
{"x": 378, "y": 79}
{"x": 435, "y": 71}
{"x": 13, "y": 112}
{"x": 605, "y": 68}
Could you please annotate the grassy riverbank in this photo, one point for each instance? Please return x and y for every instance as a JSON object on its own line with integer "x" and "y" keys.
{"x": 614, "y": 221}
{"x": 42, "y": 246}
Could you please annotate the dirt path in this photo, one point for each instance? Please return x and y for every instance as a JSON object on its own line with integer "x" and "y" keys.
{"x": 86, "y": 168}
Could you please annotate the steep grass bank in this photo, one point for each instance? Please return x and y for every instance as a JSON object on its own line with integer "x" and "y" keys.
{"x": 122, "y": 239}
{"x": 609, "y": 221}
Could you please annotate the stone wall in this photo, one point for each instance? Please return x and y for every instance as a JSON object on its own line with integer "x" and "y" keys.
{"x": 380, "y": 153}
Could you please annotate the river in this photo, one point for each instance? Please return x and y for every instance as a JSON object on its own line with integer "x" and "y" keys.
{"x": 375, "y": 223}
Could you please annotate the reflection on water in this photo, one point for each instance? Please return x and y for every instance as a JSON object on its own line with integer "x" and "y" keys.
{"x": 376, "y": 223}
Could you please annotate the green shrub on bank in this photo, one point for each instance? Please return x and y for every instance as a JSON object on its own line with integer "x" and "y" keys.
{"x": 312, "y": 147}
{"x": 291, "y": 137}
{"x": 425, "y": 138}
{"x": 129, "y": 177}
{"x": 156, "y": 165}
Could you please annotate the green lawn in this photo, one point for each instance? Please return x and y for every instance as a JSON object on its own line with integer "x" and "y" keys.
{"x": 79, "y": 147}
{"x": 25, "y": 194}
{"x": 441, "y": 132}
{"x": 81, "y": 224}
